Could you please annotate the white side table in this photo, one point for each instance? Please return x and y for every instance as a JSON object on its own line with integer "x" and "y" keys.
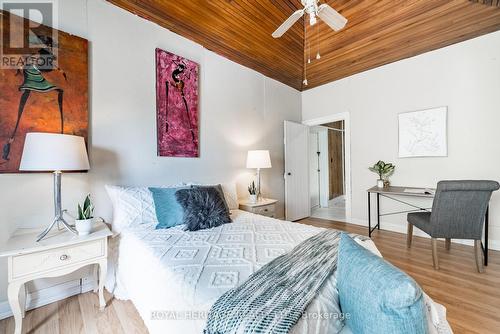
{"x": 60, "y": 253}
{"x": 264, "y": 206}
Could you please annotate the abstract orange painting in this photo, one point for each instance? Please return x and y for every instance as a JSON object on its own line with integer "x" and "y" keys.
{"x": 43, "y": 98}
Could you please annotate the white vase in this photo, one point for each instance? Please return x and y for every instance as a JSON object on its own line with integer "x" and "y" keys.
{"x": 380, "y": 183}
{"x": 253, "y": 199}
{"x": 84, "y": 226}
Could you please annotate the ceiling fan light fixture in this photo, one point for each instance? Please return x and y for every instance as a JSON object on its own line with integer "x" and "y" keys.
{"x": 312, "y": 19}
{"x": 324, "y": 12}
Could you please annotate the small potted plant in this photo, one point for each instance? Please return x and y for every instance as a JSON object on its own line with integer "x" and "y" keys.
{"x": 384, "y": 170}
{"x": 252, "y": 190}
{"x": 85, "y": 217}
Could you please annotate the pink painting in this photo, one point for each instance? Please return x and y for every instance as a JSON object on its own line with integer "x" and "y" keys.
{"x": 176, "y": 105}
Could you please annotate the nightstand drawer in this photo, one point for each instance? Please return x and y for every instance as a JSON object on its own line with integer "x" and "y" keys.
{"x": 265, "y": 207}
{"x": 266, "y": 210}
{"x": 53, "y": 259}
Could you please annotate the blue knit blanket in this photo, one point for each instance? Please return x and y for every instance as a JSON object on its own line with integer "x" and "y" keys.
{"x": 274, "y": 298}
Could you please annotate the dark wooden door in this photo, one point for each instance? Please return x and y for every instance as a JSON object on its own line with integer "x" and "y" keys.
{"x": 336, "y": 159}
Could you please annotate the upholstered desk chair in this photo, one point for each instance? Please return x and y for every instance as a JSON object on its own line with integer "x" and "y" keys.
{"x": 458, "y": 212}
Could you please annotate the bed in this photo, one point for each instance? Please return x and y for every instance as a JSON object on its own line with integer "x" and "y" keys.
{"x": 173, "y": 276}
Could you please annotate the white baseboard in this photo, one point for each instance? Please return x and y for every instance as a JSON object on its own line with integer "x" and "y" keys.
{"x": 50, "y": 295}
{"x": 401, "y": 228}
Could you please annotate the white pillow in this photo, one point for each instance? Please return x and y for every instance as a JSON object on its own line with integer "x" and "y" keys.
{"x": 132, "y": 206}
{"x": 229, "y": 190}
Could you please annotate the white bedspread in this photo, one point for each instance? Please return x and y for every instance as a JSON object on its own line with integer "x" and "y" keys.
{"x": 173, "y": 276}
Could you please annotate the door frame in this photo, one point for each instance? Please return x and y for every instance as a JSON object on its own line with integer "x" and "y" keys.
{"x": 346, "y": 117}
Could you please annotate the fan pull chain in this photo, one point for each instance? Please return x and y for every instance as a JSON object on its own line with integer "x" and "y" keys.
{"x": 308, "y": 51}
{"x": 305, "y": 83}
{"x": 318, "y": 56}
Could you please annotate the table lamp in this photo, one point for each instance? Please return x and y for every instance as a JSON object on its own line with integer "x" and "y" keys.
{"x": 258, "y": 159}
{"x": 50, "y": 152}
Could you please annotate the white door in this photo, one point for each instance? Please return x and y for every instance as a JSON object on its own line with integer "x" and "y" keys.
{"x": 297, "y": 200}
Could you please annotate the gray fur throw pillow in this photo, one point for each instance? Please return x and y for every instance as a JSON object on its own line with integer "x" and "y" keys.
{"x": 219, "y": 189}
{"x": 203, "y": 208}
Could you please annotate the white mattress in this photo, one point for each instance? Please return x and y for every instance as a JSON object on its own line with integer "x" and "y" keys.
{"x": 173, "y": 276}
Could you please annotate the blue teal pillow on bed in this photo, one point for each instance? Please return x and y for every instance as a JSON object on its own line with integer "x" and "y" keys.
{"x": 169, "y": 212}
{"x": 376, "y": 297}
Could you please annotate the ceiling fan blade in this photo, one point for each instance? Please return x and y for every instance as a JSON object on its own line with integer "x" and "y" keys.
{"x": 288, "y": 23}
{"x": 331, "y": 17}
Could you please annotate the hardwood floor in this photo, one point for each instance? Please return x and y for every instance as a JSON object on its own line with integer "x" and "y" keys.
{"x": 472, "y": 299}
{"x": 80, "y": 315}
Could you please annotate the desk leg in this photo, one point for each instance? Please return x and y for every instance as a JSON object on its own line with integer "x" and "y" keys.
{"x": 15, "y": 305}
{"x": 378, "y": 211}
{"x": 486, "y": 223}
{"x": 103, "y": 268}
{"x": 369, "y": 217}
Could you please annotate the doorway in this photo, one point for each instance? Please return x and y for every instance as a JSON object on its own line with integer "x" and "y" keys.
{"x": 329, "y": 167}
{"x": 327, "y": 171}
{"x": 308, "y": 188}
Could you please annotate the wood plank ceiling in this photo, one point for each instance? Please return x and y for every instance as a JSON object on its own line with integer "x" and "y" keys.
{"x": 378, "y": 32}
{"x": 239, "y": 30}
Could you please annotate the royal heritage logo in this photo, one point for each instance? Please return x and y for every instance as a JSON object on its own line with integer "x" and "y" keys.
{"x": 26, "y": 38}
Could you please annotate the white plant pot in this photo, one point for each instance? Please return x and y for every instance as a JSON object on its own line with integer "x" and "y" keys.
{"x": 84, "y": 226}
{"x": 253, "y": 199}
{"x": 380, "y": 183}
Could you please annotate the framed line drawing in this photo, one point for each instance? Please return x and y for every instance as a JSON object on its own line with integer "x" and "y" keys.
{"x": 423, "y": 133}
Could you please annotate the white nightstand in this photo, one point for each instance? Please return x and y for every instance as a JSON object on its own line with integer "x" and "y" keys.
{"x": 265, "y": 207}
{"x": 60, "y": 253}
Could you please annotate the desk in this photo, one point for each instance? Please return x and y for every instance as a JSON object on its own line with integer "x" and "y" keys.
{"x": 389, "y": 192}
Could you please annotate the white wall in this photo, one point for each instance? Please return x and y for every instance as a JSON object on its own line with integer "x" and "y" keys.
{"x": 465, "y": 77}
{"x": 324, "y": 174}
{"x": 313, "y": 168}
{"x": 240, "y": 109}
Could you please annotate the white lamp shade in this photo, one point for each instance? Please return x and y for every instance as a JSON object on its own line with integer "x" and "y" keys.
{"x": 49, "y": 152}
{"x": 258, "y": 159}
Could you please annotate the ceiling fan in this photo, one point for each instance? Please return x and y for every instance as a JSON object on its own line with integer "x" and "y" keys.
{"x": 312, "y": 7}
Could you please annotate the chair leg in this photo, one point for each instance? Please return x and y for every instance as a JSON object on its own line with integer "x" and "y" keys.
{"x": 435, "y": 259}
{"x": 479, "y": 256}
{"x": 448, "y": 243}
{"x": 409, "y": 235}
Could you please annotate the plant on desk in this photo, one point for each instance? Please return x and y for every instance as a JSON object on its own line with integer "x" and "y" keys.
{"x": 384, "y": 170}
